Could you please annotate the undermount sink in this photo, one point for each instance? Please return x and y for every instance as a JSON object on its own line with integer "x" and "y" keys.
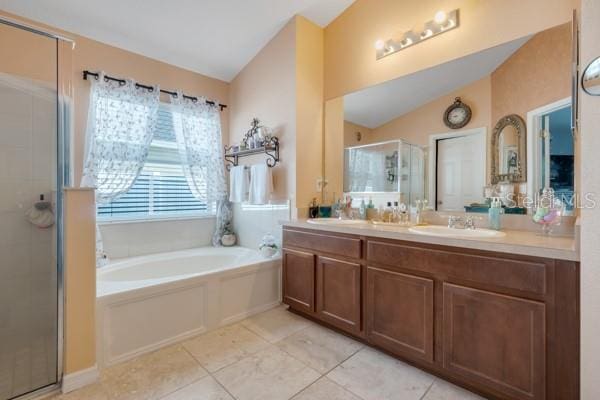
{"x": 337, "y": 221}
{"x": 444, "y": 231}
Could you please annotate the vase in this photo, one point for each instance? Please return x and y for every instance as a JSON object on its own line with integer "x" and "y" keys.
{"x": 228, "y": 240}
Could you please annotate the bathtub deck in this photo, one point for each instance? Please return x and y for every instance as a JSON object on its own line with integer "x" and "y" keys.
{"x": 274, "y": 355}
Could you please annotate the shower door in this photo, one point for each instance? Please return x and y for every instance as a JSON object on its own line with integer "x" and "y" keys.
{"x": 30, "y": 212}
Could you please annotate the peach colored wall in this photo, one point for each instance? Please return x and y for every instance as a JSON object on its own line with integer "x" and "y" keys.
{"x": 266, "y": 89}
{"x": 333, "y": 145}
{"x": 38, "y": 64}
{"x": 544, "y": 60}
{"x": 350, "y": 131}
{"x": 350, "y": 62}
{"x": 80, "y": 280}
{"x": 283, "y": 87}
{"x": 309, "y": 110}
{"x": 92, "y": 55}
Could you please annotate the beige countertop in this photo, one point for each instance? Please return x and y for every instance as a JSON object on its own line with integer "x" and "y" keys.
{"x": 515, "y": 242}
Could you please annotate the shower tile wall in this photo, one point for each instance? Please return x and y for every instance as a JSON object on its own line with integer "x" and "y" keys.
{"x": 28, "y": 271}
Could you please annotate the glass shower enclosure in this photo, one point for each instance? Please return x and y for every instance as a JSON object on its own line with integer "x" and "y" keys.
{"x": 32, "y": 175}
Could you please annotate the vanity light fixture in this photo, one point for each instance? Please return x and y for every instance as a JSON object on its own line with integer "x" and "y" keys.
{"x": 441, "y": 22}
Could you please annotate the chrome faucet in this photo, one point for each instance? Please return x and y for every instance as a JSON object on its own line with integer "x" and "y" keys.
{"x": 456, "y": 222}
{"x": 421, "y": 205}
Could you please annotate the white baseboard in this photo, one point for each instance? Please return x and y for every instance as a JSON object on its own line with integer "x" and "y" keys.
{"x": 80, "y": 379}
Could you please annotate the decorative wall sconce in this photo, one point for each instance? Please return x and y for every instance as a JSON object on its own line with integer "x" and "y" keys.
{"x": 442, "y": 22}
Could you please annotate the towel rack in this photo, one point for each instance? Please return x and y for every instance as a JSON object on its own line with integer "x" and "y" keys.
{"x": 270, "y": 148}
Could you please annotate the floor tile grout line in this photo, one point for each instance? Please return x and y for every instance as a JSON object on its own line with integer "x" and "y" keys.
{"x": 306, "y": 387}
{"x": 183, "y": 387}
{"x": 345, "y": 359}
{"x": 428, "y": 389}
{"x": 223, "y": 386}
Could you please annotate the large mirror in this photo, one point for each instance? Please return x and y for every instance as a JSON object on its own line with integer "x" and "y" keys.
{"x": 492, "y": 123}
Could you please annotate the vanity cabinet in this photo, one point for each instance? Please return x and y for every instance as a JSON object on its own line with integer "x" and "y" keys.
{"x": 503, "y": 325}
{"x": 322, "y": 277}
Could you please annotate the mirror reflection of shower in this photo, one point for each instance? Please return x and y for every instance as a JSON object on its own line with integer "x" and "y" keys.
{"x": 387, "y": 167}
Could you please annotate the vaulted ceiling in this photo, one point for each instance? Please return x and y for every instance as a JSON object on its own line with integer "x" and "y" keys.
{"x": 212, "y": 37}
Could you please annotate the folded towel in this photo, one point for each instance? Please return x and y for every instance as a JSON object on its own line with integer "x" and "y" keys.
{"x": 238, "y": 184}
{"x": 261, "y": 184}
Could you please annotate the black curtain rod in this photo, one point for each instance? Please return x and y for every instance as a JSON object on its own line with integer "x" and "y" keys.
{"x": 139, "y": 85}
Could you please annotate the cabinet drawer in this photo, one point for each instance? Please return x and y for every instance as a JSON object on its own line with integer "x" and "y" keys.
{"x": 516, "y": 274}
{"x": 496, "y": 340}
{"x": 326, "y": 243}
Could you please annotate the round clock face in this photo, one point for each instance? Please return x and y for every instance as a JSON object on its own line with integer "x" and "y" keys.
{"x": 457, "y": 115}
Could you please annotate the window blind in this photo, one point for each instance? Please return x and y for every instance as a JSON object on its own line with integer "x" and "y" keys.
{"x": 161, "y": 189}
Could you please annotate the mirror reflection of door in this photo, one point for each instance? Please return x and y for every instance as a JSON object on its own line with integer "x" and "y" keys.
{"x": 460, "y": 171}
{"x": 557, "y": 155}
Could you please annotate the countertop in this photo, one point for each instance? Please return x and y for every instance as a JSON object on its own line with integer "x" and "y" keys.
{"x": 515, "y": 242}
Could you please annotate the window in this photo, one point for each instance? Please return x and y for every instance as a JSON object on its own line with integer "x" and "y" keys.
{"x": 161, "y": 190}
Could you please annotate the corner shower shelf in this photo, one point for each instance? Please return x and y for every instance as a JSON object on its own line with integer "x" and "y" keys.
{"x": 271, "y": 149}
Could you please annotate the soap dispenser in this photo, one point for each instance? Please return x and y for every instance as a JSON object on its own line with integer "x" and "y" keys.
{"x": 494, "y": 214}
{"x": 362, "y": 211}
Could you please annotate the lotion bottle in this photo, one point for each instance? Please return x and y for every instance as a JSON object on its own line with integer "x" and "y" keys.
{"x": 494, "y": 214}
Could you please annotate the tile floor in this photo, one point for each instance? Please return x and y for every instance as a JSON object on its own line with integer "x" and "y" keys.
{"x": 275, "y": 355}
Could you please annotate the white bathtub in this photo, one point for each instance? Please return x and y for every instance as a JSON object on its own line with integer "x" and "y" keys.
{"x": 147, "y": 302}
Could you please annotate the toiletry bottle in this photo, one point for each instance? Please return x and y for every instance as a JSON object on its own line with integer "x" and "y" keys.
{"x": 404, "y": 216}
{"x": 371, "y": 205}
{"x": 396, "y": 214}
{"x": 313, "y": 209}
{"x": 362, "y": 211}
{"x": 388, "y": 213}
{"x": 494, "y": 214}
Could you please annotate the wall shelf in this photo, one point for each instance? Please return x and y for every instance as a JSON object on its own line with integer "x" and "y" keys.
{"x": 270, "y": 148}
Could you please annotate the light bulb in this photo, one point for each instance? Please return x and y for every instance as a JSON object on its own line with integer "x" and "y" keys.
{"x": 440, "y": 17}
{"x": 379, "y": 45}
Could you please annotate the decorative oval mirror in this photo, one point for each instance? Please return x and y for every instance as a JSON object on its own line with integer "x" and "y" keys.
{"x": 508, "y": 150}
{"x": 590, "y": 81}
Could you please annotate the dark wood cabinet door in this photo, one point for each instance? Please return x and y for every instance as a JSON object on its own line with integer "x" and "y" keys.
{"x": 496, "y": 340}
{"x": 399, "y": 313}
{"x": 338, "y": 293}
{"x": 299, "y": 280}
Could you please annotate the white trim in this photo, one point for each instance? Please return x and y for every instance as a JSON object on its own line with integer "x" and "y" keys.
{"x": 433, "y": 138}
{"x": 157, "y": 218}
{"x": 533, "y": 150}
{"x": 79, "y": 379}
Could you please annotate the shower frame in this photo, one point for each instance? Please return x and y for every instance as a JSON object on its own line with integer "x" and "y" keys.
{"x": 64, "y": 128}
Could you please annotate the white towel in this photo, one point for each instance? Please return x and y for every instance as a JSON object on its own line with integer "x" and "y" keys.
{"x": 238, "y": 184}
{"x": 261, "y": 184}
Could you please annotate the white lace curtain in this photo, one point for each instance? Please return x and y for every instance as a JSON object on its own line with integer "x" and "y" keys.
{"x": 121, "y": 122}
{"x": 198, "y": 131}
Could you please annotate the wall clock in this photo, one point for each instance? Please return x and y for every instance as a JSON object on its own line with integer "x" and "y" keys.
{"x": 457, "y": 115}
